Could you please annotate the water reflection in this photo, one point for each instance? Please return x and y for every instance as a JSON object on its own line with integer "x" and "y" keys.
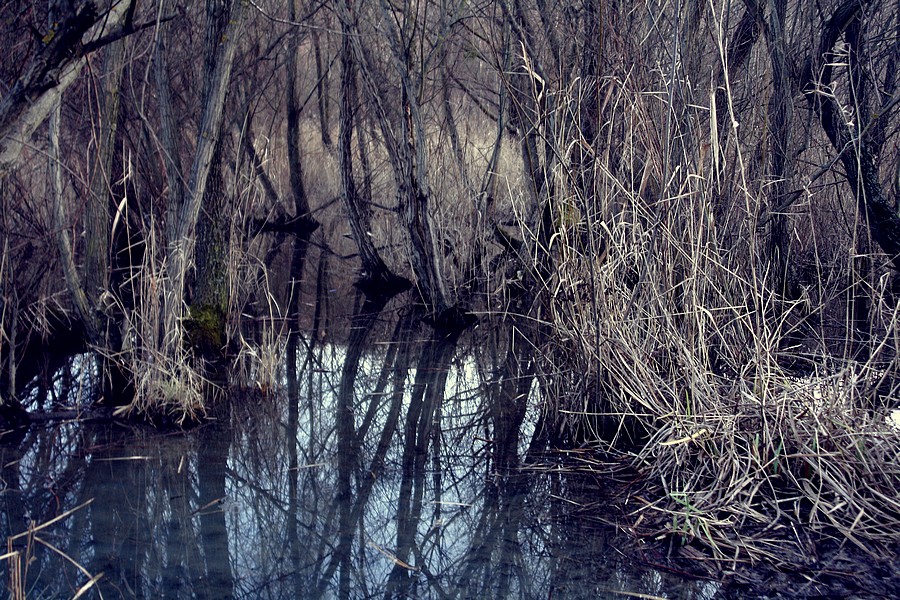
{"x": 392, "y": 467}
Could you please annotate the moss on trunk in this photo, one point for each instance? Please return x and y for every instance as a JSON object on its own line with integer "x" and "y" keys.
{"x": 206, "y": 330}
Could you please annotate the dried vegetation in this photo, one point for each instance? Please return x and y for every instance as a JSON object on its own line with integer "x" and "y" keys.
{"x": 691, "y": 205}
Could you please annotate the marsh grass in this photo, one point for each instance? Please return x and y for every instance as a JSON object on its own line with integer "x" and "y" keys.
{"x": 20, "y": 553}
{"x": 261, "y": 357}
{"x": 167, "y": 378}
{"x": 755, "y": 420}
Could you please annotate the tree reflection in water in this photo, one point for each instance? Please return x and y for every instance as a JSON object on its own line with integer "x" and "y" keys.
{"x": 392, "y": 466}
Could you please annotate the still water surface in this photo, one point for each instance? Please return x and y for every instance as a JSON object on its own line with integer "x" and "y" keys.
{"x": 393, "y": 465}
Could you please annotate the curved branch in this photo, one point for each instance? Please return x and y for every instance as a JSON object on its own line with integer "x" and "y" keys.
{"x": 52, "y": 70}
{"x": 860, "y": 166}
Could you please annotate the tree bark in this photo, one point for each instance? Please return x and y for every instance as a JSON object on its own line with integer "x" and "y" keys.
{"x": 182, "y": 220}
{"x": 295, "y": 160}
{"x": 322, "y": 92}
{"x": 55, "y": 67}
{"x": 171, "y": 148}
{"x": 87, "y": 313}
{"x": 97, "y": 214}
{"x": 780, "y": 122}
{"x": 414, "y": 200}
{"x": 855, "y": 151}
{"x": 527, "y": 89}
{"x": 410, "y": 166}
{"x": 376, "y": 279}
{"x": 209, "y": 307}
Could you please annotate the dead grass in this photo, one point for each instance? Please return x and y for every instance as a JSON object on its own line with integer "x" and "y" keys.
{"x": 20, "y": 552}
{"x": 166, "y": 378}
{"x": 755, "y": 420}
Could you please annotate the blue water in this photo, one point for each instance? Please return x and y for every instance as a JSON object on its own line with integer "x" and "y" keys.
{"x": 372, "y": 470}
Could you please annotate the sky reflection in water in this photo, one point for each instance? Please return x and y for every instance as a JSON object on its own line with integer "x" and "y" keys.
{"x": 383, "y": 469}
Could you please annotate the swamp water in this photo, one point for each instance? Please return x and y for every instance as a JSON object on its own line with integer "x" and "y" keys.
{"x": 386, "y": 466}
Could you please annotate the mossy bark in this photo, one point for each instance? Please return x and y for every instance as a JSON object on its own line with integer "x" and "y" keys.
{"x": 209, "y": 309}
{"x": 223, "y": 32}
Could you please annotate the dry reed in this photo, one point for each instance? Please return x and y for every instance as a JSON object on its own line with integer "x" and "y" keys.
{"x": 756, "y": 421}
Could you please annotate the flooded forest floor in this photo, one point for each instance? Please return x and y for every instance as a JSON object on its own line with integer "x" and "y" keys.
{"x": 365, "y": 454}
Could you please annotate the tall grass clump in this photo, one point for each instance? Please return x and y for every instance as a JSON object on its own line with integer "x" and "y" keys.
{"x": 167, "y": 380}
{"x": 751, "y": 404}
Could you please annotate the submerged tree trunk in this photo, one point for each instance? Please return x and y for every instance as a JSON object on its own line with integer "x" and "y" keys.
{"x": 85, "y": 310}
{"x": 209, "y": 307}
{"x": 528, "y": 92}
{"x": 404, "y": 138}
{"x": 97, "y": 225}
{"x": 101, "y": 332}
{"x": 409, "y": 162}
{"x": 11, "y": 409}
{"x": 415, "y": 194}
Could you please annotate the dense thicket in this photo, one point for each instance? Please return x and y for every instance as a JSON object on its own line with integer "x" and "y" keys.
{"x": 690, "y": 206}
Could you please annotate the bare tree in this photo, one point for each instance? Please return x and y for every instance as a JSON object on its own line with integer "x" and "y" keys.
{"x": 209, "y": 306}
{"x": 97, "y": 215}
{"x": 322, "y": 98}
{"x": 82, "y": 28}
{"x": 224, "y": 16}
{"x": 295, "y": 160}
{"x": 851, "y": 134}
{"x": 75, "y": 31}
{"x": 85, "y": 289}
{"x": 404, "y": 137}
{"x": 377, "y": 279}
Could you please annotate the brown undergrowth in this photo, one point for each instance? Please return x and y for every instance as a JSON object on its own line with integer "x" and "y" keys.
{"x": 751, "y": 403}
{"x": 755, "y": 423}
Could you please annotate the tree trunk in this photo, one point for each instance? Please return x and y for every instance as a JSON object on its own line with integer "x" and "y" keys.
{"x": 414, "y": 200}
{"x": 295, "y": 161}
{"x": 97, "y": 220}
{"x": 246, "y": 136}
{"x": 780, "y": 121}
{"x": 171, "y": 148}
{"x": 86, "y": 311}
{"x": 410, "y": 166}
{"x": 854, "y": 151}
{"x": 34, "y": 97}
{"x": 209, "y": 307}
{"x": 376, "y": 280}
{"x": 592, "y": 205}
{"x": 182, "y": 220}
{"x": 322, "y": 92}
{"x": 527, "y": 89}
